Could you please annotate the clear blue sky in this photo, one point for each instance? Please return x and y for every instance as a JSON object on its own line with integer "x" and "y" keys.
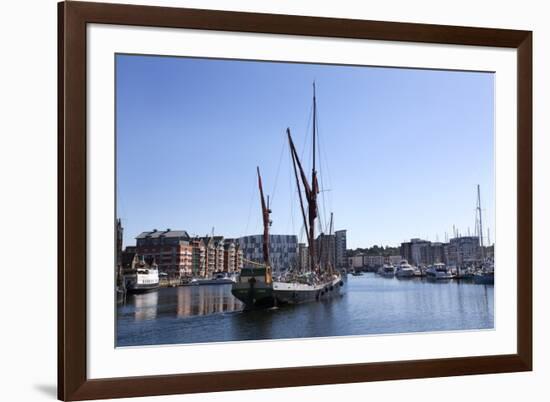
{"x": 401, "y": 150}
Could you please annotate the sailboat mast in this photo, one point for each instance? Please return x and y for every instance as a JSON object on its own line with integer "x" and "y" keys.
{"x": 294, "y": 161}
{"x": 480, "y": 221}
{"x": 266, "y": 221}
{"x": 314, "y": 132}
{"x": 312, "y": 201}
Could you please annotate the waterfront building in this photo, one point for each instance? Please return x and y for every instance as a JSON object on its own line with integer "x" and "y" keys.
{"x": 356, "y": 261}
{"x": 220, "y": 253}
{"x": 229, "y": 256}
{"x": 341, "y": 248}
{"x": 128, "y": 256}
{"x": 198, "y": 260}
{"x": 437, "y": 253}
{"x": 119, "y": 236}
{"x": 420, "y": 252}
{"x": 169, "y": 249}
{"x": 393, "y": 259}
{"x": 325, "y": 247}
{"x": 283, "y": 250}
{"x": 303, "y": 256}
{"x": 406, "y": 251}
{"x": 463, "y": 250}
{"x": 239, "y": 257}
{"x": 373, "y": 260}
{"x": 233, "y": 257}
{"x": 210, "y": 256}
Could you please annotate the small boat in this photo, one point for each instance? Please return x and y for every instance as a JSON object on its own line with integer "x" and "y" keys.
{"x": 387, "y": 270}
{"x": 356, "y": 273}
{"x": 419, "y": 272}
{"x": 439, "y": 271}
{"x": 465, "y": 273}
{"x": 220, "y": 278}
{"x": 404, "y": 270}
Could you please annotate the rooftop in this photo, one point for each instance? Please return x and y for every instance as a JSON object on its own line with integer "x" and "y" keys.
{"x": 155, "y": 234}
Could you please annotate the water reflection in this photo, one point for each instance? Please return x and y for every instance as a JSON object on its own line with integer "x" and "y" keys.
{"x": 371, "y": 305}
{"x": 145, "y": 305}
{"x": 187, "y": 300}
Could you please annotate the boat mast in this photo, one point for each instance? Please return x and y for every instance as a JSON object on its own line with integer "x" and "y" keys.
{"x": 310, "y": 191}
{"x": 267, "y": 223}
{"x": 293, "y": 153}
{"x": 332, "y": 252}
{"x": 480, "y": 222}
{"x": 312, "y": 200}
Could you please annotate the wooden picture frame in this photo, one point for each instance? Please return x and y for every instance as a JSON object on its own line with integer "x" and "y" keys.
{"x": 73, "y": 17}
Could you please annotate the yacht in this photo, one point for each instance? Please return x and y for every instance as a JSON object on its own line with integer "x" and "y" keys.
{"x": 387, "y": 270}
{"x": 439, "y": 271}
{"x": 404, "y": 270}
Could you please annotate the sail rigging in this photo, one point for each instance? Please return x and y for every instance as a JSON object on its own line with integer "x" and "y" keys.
{"x": 310, "y": 190}
{"x": 266, "y": 211}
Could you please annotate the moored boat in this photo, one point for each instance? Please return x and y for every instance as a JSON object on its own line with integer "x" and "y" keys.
{"x": 220, "y": 278}
{"x": 254, "y": 284}
{"x": 386, "y": 270}
{"x": 142, "y": 277}
{"x": 439, "y": 271}
{"x": 318, "y": 279}
{"x": 404, "y": 270}
{"x": 484, "y": 277}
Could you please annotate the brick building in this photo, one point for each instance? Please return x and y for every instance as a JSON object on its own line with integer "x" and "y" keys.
{"x": 171, "y": 250}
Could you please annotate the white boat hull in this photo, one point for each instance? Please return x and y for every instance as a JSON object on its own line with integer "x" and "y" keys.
{"x": 296, "y": 293}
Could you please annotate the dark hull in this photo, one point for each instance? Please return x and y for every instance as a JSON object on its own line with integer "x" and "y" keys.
{"x": 203, "y": 282}
{"x": 484, "y": 279}
{"x": 254, "y": 296}
{"x": 141, "y": 288}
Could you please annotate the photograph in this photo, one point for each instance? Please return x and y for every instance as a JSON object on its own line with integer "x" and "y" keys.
{"x": 265, "y": 200}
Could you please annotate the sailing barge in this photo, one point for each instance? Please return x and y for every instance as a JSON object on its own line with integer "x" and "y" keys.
{"x": 254, "y": 286}
{"x": 319, "y": 279}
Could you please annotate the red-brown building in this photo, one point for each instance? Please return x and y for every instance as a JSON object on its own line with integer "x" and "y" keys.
{"x": 171, "y": 250}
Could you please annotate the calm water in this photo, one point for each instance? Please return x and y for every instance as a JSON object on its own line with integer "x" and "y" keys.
{"x": 371, "y": 305}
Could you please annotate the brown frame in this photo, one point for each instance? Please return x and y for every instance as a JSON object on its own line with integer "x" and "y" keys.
{"x": 73, "y": 383}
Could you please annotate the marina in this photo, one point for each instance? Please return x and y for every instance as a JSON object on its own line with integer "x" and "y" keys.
{"x": 370, "y": 305}
{"x": 307, "y": 256}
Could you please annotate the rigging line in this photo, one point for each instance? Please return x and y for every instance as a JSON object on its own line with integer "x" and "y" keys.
{"x": 325, "y": 159}
{"x": 291, "y": 193}
{"x": 324, "y": 217}
{"x": 323, "y": 186}
{"x": 291, "y": 200}
{"x": 326, "y": 165}
{"x": 277, "y": 174}
{"x": 307, "y": 133}
{"x": 250, "y": 207}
